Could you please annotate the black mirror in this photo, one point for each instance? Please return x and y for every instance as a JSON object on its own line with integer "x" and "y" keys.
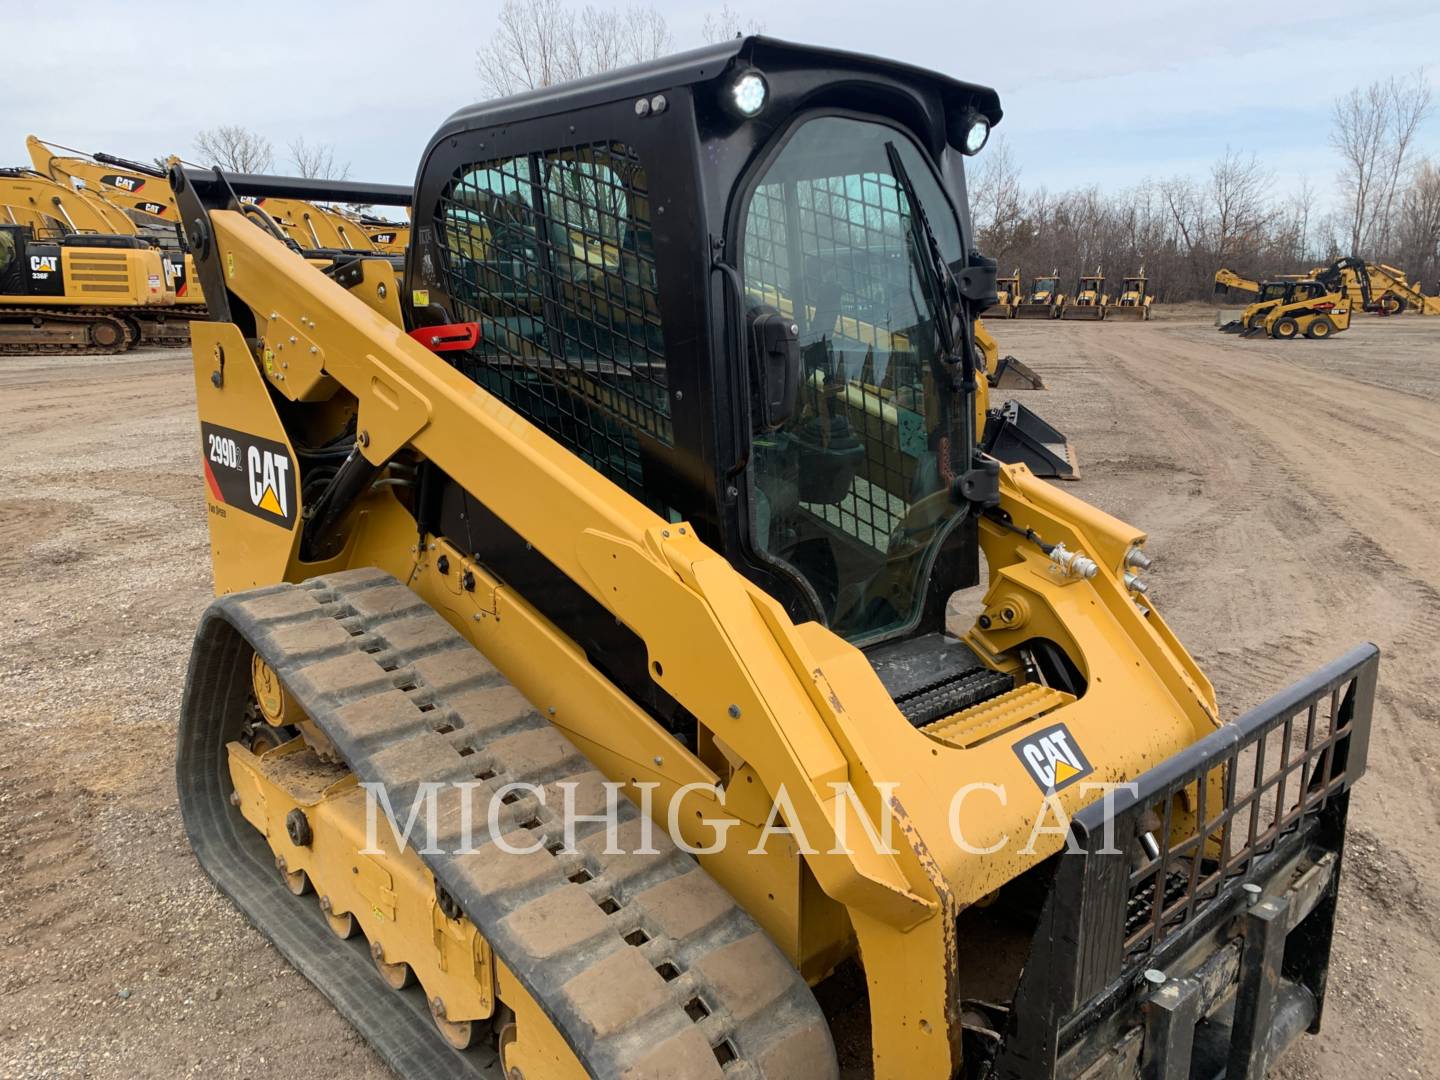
{"x": 775, "y": 353}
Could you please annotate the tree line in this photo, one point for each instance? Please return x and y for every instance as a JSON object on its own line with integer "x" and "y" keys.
{"x": 1182, "y": 228}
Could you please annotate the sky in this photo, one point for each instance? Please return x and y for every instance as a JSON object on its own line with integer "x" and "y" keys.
{"x": 1093, "y": 94}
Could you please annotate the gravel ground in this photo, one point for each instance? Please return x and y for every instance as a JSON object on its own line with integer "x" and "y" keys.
{"x": 1289, "y": 489}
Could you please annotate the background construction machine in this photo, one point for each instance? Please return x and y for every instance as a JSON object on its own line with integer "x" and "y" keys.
{"x": 1268, "y": 296}
{"x": 1390, "y": 292}
{"x": 1309, "y": 309}
{"x": 1043, "y": 301}
{"x": 542, "y": 518}
{"x": 138, "y": 189}
{"x": 1090, "y": 300}
{"x": 74, "y": 275}
{"x": 1007, "y": 296}
{"x": 1133, "y": 303}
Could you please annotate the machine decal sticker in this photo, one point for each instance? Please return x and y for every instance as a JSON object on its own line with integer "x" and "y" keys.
{"x": 131, "y": 184}
{"x": 1053, "y": 758}
{"x": 249, "y": 473}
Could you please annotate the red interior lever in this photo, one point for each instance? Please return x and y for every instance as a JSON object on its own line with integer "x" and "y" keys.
{"x": 448, "y": 338}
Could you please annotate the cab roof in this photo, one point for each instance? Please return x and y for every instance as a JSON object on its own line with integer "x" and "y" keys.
{"x": 705, "y": 65}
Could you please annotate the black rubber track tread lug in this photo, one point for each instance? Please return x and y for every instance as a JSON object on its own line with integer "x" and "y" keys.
{"x": 582, "y": 962}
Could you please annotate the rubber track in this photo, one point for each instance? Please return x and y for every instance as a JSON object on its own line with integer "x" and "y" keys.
{"x": 86, "y": 315}
{"x": 406, "y": 699}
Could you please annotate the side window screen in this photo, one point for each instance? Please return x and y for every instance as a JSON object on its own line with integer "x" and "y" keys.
{"x": 552, "y": 254}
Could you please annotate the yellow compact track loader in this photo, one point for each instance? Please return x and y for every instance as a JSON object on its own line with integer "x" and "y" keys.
{"x": 1090, "y": 300}
{"x": 588, "y": 692}
{"x": 1133, "y": 304}
{"x": 1043, "y": 301}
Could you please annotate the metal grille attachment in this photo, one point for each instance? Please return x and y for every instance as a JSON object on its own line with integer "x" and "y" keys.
{"x": 1215, "y": 824}
{"x": 1241, "y": 809}
{"x": 552, "y": 255}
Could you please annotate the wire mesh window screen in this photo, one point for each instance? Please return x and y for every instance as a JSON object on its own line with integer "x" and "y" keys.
{"x": 1212, "y": 832}
{"x": 830, "y": 240}
{"x": 552, "y": 254}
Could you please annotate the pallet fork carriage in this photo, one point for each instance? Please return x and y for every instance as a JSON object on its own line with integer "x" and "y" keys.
{"x": 629, "y": 483}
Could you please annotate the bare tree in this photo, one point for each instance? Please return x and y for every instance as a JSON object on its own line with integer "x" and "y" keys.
{"x": 543, "y": 42}
{"x": 1374, "y": 131}
{"x": 1409, "y": 104}
{"x": 1419, "y": 226}
{"x": 727, "y": 23}
{"x": 317, "y": 161}
{"x": 235, "y": 148}
{"x": 1240, "y": 209}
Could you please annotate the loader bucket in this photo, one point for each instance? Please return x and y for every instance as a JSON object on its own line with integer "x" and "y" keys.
{"x": 1013, "y": 374}
{"x": 1034, "y": 311}
{"x": 1231, "y": 327}
{"x": 1126, "y": 313}
{"x": 1014, "y": 434}
{"x": 1092, "y": 312}
{"x": 1255, "y": 329}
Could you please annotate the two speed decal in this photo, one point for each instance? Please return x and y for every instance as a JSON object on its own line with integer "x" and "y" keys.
{"x": 249, "y": 473}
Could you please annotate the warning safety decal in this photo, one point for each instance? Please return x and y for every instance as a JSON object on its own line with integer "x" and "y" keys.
{"x": 1053, "y": 758}
{"x": 249, "y": 473}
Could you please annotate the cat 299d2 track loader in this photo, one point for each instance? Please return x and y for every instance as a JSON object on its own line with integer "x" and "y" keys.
{"x": 641, "y": 503}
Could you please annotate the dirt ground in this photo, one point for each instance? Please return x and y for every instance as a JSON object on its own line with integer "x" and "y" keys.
{"x": 1291, "y": 491}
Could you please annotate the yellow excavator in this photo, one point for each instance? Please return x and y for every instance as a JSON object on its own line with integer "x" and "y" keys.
{"x": 391, "y": 237}
{"x": 75, "y": 277}
{"x": 1043, "y": 301}
{"x": 1134, "y": 302}
{"x": 1090, "y": 300}
{"x": 588, "y": 693}
{"x": 139, "y": 203}
{"x": 140, "y": 190}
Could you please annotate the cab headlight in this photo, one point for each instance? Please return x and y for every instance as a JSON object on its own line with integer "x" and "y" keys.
{"x": 976, "y": 135}
{"x": 748, "y": 93}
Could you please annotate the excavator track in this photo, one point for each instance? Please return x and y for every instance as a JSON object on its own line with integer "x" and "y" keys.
{"x": 90, "y": 331}
{"x": 405, "y": 699}
{"x": 167, "y": 330}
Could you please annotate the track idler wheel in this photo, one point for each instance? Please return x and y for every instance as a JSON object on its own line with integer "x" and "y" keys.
{"x": 342, "y": 926}
{"x": 396, "y": 976}
{"x": 461, "y": 1034}
{"x": 297, "y": 881}
{"x": 108, "y": 334}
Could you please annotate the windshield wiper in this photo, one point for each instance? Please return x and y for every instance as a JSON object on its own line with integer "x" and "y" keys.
{"x": 931, "y": 265}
